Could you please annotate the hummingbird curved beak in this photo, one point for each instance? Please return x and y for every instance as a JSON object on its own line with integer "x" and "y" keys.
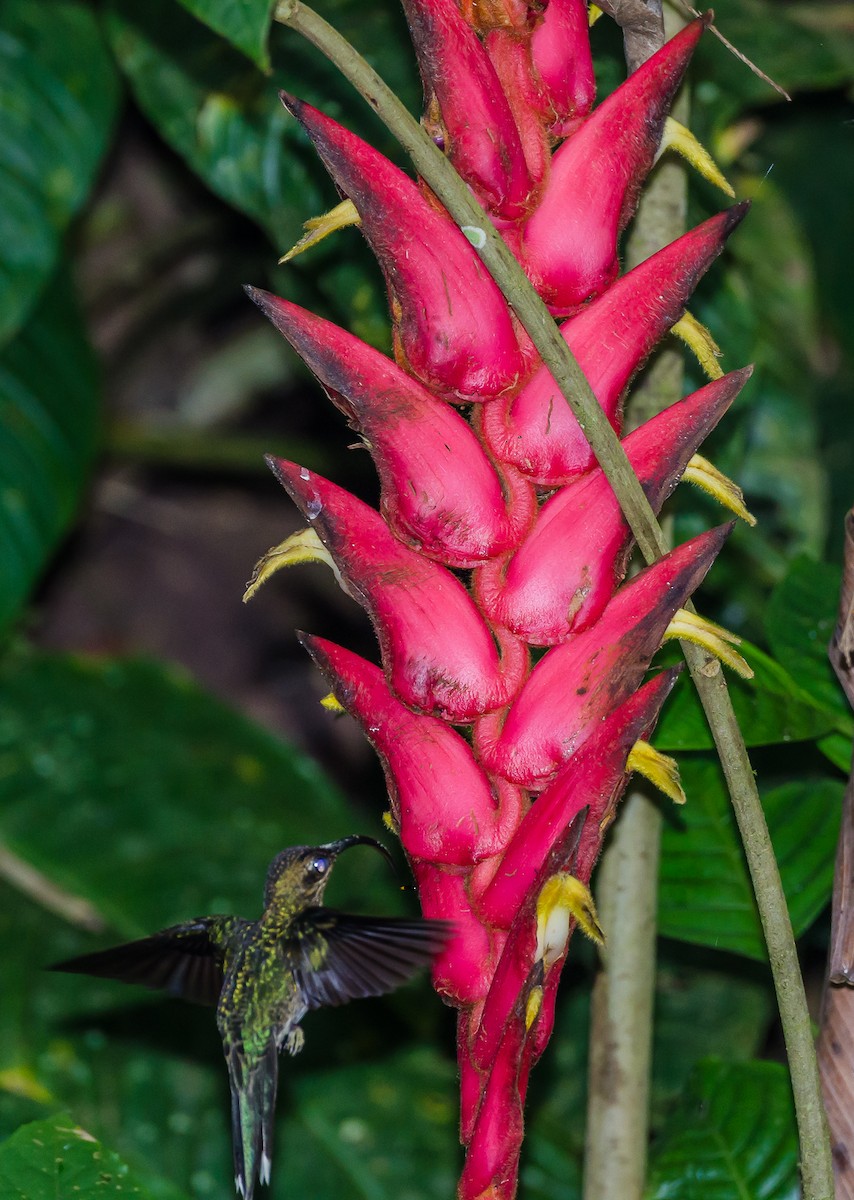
{"x": 358, "y": 839}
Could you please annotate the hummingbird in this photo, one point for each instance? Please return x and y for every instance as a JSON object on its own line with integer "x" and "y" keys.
{"x": 264, "y": 976}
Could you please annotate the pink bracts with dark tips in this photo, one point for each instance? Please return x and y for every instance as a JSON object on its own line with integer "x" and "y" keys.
{"x": 452, "y": 326}
{"x": 611, "y": 339}
{"x": 497, "y": 532}
{"x": 466, "y": 110}
{"x": 569, "y": 247}
{"x": 440, "y": 491}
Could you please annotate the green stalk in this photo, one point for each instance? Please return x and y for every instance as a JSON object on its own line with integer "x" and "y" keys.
{"x": 440, "y": 177}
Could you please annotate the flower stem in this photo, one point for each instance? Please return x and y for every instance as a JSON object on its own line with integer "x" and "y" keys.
{"x": 437, "y": 172}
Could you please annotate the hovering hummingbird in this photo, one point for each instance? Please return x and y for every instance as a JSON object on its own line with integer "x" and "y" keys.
{"x": 263, "y": 977}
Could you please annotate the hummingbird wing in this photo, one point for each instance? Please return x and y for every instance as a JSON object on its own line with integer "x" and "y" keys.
{"x": 185, "y": 960}
{"x": 253, "y": 1104}
{"x": 340, "y": 957}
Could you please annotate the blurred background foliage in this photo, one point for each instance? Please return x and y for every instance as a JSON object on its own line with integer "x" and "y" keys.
{"x": 147, "y": 170}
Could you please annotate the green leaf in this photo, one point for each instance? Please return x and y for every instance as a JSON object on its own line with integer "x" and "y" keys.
{"x": 737, "y": 1003}
{"x": 131, "y": 787}
{"x": 127, "y": 786}
{"x": 55, "y": 1159}
{"x": 244, "y": 23}
{"x": 144, "y": 1077}
{"x": 770, "y": 708}
{"x": 49, "y": 430}
{"x": 705, "y": 895}
{"x": 732, "y": 1138}
{"x": 225, "y": 118}
{"x": 837, "y": 747}
{"x": 149, "y": 1078}
{"x": 799, "y": 621}
{"x": 801, "y": 46}
{"x": 382, "y": 1130}
{"x": 58, "y": 103}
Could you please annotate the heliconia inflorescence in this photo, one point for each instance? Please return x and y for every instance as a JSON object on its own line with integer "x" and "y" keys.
{"x": 497, "y": 531}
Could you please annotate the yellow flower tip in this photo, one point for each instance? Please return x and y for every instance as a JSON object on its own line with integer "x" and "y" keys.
{"x": 679, "y": 138}
{"x": 317, "y": 228}
{"x": 594, "y": 12}
{"x": 658, "y": 768}
{"x": 332, "y": 704}
{"x": 714, "y": 639}
{"x": 20, "y": 1081}
{"x": 705, "y": 475}
{"x": 563, "y": 897}
{"x": 701, "y": 344}
{"x": 390, "y": 822}
{"x": 532, "y": 1008}
{"x": 304, "y": 546}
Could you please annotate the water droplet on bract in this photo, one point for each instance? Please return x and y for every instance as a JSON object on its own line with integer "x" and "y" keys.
{"x": 314, "y": 508}
{"x": 304, "y": 473}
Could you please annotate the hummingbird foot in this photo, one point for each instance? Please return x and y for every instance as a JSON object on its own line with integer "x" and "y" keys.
{"x": 295, "y": 1040}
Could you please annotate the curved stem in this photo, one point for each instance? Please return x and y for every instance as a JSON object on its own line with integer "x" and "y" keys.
{"x": 440, "y": 177}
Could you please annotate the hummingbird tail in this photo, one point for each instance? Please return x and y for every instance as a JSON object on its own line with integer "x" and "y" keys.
{"x": 253, "y": 1104}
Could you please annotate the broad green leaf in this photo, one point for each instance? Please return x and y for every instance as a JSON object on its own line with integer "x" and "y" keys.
{"x": 733, "y": 1137}
{"x": 244, "y": 23}
{"x": 225, "y": 118}
{"x": 149, "y": 1079}
{"x": 772, "y": 707}
{"x": 49, "y": 431}
{"x": 146, "y": 1077}
{"x": 807, "y": 150}
{"x": 799, "y": 621}
{"x": 801, "y": 46}
{"x": 129, "y": 786}
{"x": 126, "y": 785}
{"x": 705, "y": 895}
{"x": 55, "y": 1159}
{"x": 737, "y": 1003}
{"x": 382, "y": 1130}
{"x": 58, "y": 103}
{"x": 837, "y": 747}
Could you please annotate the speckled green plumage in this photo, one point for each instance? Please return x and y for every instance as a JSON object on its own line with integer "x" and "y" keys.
{"x": 263, "y": 977}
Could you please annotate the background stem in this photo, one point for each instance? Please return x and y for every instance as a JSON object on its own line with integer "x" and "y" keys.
{"x": 440, "y": 177}
{"x": 623, "y": 1000}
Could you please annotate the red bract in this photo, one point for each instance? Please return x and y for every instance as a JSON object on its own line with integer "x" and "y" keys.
{"x": 576, "y": 684}
{"x": 452, "y": 325}
{"x": 570, "y": 241}
{"x": 560, "y": 53}
{"x": 466, "y": 110}
{"x": 565, "y": 569}
{"x": 440, "y": 491}
{"x": 439, "y": 653}
{"x": 611, "y": 338}
{"x": 502, "y": 775}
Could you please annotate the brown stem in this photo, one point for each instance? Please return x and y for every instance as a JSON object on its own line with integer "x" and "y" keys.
{"x": 439, "y": 175}
{"x": 836, "y": 1036}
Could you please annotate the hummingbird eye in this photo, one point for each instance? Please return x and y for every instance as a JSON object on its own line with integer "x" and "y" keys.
{"x": 318, "y": 865}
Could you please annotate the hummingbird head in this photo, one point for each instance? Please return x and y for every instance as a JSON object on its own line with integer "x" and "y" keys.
{"x": 298, "y": 876}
